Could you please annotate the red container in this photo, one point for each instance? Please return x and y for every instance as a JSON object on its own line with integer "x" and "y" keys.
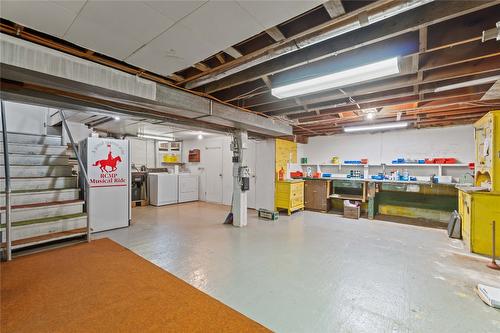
{"x": 429, "y": 161}
{"x": 364, "y": 161}
{"x": 450, "y": 161}
{"x": 296, "y": 174}
{"x": 439, "y": 160}
{"x": 472, "y": 166}
{"x": 317, "y": 175}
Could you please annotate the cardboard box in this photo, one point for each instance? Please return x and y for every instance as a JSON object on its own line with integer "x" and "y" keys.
{"x": 352, "y": 212}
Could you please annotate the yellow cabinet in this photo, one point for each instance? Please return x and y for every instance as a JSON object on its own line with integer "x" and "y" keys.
{"x": 289, "y": 195}
{"x": 477, "y": 211}
{"x": 487, "y": 138}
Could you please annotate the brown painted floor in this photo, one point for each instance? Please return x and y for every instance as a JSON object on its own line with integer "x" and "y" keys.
{"x": 103, "y": 287}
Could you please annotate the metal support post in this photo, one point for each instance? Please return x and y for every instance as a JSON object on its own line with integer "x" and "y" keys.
{"x": 241, "y": 178}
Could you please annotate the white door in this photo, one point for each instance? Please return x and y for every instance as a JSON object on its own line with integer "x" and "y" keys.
{"x": 213, "y": 174}
{"x": 251, "y": 163}
{"x": 264, "y": 171}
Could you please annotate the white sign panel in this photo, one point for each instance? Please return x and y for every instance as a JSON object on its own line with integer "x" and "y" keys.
{"x": 107, "y": 162}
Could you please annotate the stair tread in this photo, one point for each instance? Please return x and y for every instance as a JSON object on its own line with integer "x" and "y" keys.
{"x": 43, "y": 190}
{"x": 48, "y": 237}
{"x": 72, "y": 176}
{"x": 45, "y": 220}
{"x": 31, "y": 134}
{"x": 39, "y": 165}
{"x": 32, "y": 144}
{"x": 39, "y": 155}
{"x": 44, "y": 204}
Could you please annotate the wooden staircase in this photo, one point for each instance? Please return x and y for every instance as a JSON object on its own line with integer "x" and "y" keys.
{"x": 45, "y": 198}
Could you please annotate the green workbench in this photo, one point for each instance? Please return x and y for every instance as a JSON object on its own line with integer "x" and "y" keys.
{"x": 402, "y": 199}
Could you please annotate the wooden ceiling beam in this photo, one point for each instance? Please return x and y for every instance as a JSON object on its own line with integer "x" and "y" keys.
{"x": 297, "y": 38}
{"x": 458, "y": 102}
{"x": 469, "y": 53}
{"x": 233, "y": 52}
{"x": 421, "y": 97}
{"x": 201, "y": 66}
{"x": 459, "y": 54}
{"x": 220, "y": 57}
{"x": 443, "y": 117}
{"x": 431, "y": 79}
{"x": 400, "y": 24}
{"x": 240, "y": 91}
{"x": 334, "y": 8}
{"x": 275, "y": 34}
{"x": 176, "y": 77}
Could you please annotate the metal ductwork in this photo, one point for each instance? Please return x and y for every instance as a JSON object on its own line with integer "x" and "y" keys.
{"x": 36, "y": 74}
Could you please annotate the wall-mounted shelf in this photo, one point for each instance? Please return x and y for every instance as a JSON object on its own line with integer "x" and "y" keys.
{"x": 389, "y": 164}
{"x": 344, "y": 166}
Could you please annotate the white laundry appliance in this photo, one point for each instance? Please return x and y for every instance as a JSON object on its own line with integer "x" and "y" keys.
{"x": 188, "y": 187}
{"x": 163, "y": 188}
{"x": 107, "y": 164}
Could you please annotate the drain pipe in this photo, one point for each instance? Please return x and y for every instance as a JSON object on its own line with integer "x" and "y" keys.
{"x": 8, "y": 227}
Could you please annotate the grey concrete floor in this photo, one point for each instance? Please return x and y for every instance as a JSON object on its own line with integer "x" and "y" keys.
{"x": 314, "y": 272}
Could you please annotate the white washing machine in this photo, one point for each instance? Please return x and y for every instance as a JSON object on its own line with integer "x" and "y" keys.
{"x": 188, "y": 187}
{"x": 163, "y": 188}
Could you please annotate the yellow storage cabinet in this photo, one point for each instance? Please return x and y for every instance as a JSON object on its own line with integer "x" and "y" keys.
{"x": 477, "y": 211}
{"x": 289, "y": 195}
{"x": 487, "y": 138}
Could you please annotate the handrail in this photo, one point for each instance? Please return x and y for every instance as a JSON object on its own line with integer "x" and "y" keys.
{"x": 82, "y": 170}
{"x": 8, "y": 227}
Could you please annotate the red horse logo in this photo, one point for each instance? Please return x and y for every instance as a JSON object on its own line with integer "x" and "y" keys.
{"x": 109, "y": 162}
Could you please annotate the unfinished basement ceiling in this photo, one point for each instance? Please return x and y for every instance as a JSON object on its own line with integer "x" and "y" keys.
{"x": 159, "y": 36}
{"x": 438, "y": 44}
{"x": 131, "y": 126}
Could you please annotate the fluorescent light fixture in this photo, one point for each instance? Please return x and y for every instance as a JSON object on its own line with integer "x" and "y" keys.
{"x": 370, "y": 115}
{"x": 116, "y": 118}
{"x": 200, "y": 136}
{"x": 155, "y": 137}
{"x": 375, "y": 127}
{"x": 468, "y": 83}
{"x": 354, "y": 75}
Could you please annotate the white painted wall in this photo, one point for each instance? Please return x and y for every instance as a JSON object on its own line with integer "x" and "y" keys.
{"x": 78, "y": 130}
{"x": 383, "y": 147}
{"x": 264, "y": 168}
{"x": 24, "y": 118}
{"x": 199, "y": 168}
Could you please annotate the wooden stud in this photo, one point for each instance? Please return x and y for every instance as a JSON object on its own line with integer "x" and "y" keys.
{"x": 220, "y": 57}
{"x": 275, "y": 34}
{"x": 201, "y": 66}
{"x": 233, "y": 52}
{"x": 334, "y": 8}
{"x": 176, "y": 77}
